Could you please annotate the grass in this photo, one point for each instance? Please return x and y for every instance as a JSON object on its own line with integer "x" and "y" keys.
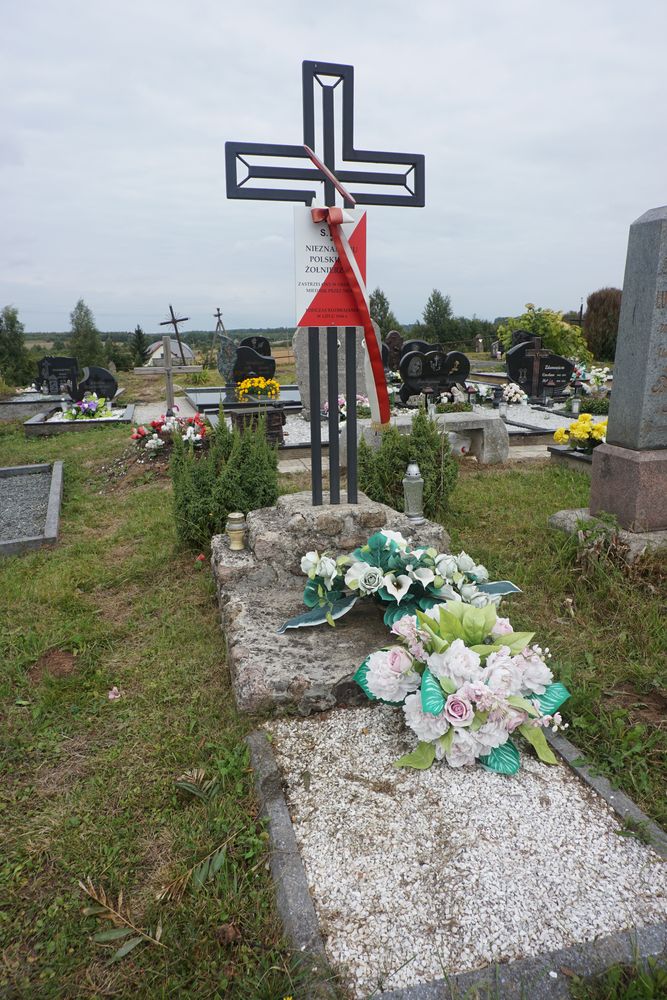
{"x": 88, "y": 785}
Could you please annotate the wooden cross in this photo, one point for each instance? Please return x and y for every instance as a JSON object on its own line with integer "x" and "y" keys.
{"x": 168, "y": 371}
{"x": 174, "y": 322}
{"x": 538, "y": 352}
{"x": 220, "y": 326}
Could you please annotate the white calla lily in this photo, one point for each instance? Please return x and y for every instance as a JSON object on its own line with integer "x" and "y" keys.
{"x": 397, "y": 586}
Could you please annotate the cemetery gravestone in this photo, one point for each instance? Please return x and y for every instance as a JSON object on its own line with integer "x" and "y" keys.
{"x": 532, "y": 367}
{"x": 418, "y": 345}
{"x": 226, "y": 359}
{"x": 99, "y": 381}
{"x": 479, "y": 344}
{"x": 259, "y": 344}
{"x": 629, "y": 474}
{"x": 56, "y": 374}
{"x": 250, "y": 364}
{"x": 432, "y": 372}
{"x": 300, "y": 348}
{"x": 394, "y": 344}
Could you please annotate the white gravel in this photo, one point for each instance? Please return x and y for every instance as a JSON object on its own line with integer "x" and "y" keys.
{"x": 418, "y": 872}
{"x": 59, "y": 417}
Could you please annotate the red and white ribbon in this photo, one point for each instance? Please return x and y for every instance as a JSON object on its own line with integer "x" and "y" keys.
{"x": 375, "y": 377}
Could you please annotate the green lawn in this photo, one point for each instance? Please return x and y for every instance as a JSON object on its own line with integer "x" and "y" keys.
{"x": 88, "y": 784}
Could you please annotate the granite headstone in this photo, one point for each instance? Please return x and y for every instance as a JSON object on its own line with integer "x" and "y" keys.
{"x": 259, "y": 344}
{"x": 250, "y": 364}
{"x": 97, "y": 380}
{"x": 226, "y": 358}
{"x": 629, "y": 474}
{"x": 431, "y": 372}
{"x": 534, "y": 368}
{"x": 57, "y": 374}
{"x": 394, "y": 344}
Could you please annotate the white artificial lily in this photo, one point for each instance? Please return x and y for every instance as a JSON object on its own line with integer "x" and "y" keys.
{"x": 395, "y": 536}
{"x": 446, "y": 566}
{"x": 423, "y": 575}
{"x": 397, "y": 586}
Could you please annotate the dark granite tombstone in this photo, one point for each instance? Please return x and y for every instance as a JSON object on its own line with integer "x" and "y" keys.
{"x": 394, "y": 344}
{"x": 259, "y": 344}
{"x": 97, "y": 380}
{"x": 56, "y": 374}
{"x": 250, "y": 364}
{"x": 521, "y": 337}
{"x": 226, "y": 358}
{"x": 418, "y": 345}
{"x": 431, "y": 372}
{"x": 385, "y": 356}
{"x": 531, "y": 366}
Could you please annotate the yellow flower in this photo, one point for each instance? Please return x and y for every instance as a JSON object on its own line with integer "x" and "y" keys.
{"x": 561, "y": 436}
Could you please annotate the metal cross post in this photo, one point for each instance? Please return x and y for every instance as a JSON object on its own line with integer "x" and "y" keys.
{"x": 537, "y": 353}
{"x": 174, "y": 322}
{"x": 299, "y": 184}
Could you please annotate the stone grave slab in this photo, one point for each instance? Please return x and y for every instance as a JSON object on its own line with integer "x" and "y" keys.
{"x": 27, "y": 404}
{"x": 41, "y": 426}
{"x": 303, "y": 669}
{"x": 421, "y": 885}
{"x": 98, "y": 380}
{"x": 30, "y": 497}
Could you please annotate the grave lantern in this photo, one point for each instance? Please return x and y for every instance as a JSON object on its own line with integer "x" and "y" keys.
{"x": 413, "y": 493}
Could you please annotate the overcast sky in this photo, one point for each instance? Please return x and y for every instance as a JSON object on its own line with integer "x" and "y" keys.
{"x": 544, "y": 128}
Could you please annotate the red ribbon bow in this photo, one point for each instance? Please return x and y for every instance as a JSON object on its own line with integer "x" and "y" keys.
{"x": 334, "y": 218}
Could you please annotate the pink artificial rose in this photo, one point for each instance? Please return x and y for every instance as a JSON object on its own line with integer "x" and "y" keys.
{"x": 502, "y": 627}
{"x": 458, "y": 711}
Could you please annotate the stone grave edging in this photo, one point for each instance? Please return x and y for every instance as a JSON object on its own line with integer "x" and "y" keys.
{"x": 16, "y": 546}
{"x": 297, "y": 910}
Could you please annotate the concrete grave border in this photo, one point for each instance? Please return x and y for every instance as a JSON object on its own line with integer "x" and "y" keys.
{"x": 38, "y": 426}
{"x": 509, "y": 981}
{"x": 15, "y": 546}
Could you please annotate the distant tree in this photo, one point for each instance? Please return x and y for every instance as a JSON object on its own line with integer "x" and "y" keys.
{"x": 139, "y": 347}
{"x": 556, "y": 334}
{"x": 573, "y": 317}
{"x": 382, "y": 314}
{"x": 438, "y": 320}
{"x": 603, "y": 310}
{"x": 85, "y": 342}
{"x": 120, "y": 354}
{"x": 16, "y": 367}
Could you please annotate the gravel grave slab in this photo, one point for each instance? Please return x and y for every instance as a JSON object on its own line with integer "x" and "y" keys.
{"x": 415, "y": 875}
{"x": 29, "y": 506}
{"x": 53, "y": 422}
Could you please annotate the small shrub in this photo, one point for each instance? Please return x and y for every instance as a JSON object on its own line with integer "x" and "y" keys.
{"x": 454, "y": 408}
{"x": 381, "y": 473}
{"x": 239, "y": 471}
{"x": 598, "y": 405}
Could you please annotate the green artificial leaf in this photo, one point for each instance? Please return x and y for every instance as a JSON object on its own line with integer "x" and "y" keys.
{"x": 456, "y": 608}
{"x": 113, "y": 935}
{"x": 421, "y": 758}
{"x": 450, "y": 625}
{"x": 485, "y": 649}
{"x": 378, "y": 542}
{"x": 535, "y": 736}
{"x": 516, "y": 640}
{"x": 126, "y": 948}
{"x": 501, "y": 587}
{"x": 397, "y": 611}
{"x": 316, "y": 616}
{"x": 526, "y": 706}
{"x": 433, "y": 701}
{"x": 478, "y": 721}
{"x": 447, "y": 740}
{"x": 502, "y": 760}
{"x": 554, "y": 696}
{"x": 474, "y": 625}
{"x": 447, "y": 685}
{"x": 490, "y": 616}
{"x": 426, "y": 603}
{"x": 330, "y": 620}
{"x": 311, "y": 598}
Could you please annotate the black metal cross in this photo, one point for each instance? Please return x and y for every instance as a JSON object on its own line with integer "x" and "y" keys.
{"x": 174, "y": 322}
{"x": 537, "y": 354}
{"x": 219, "y": 326}
{"x": 326, "y": 76}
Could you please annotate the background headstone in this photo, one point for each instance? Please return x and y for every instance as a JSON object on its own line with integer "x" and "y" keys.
{"x": 250, "y": 364}
{"x": 57, "y": 374}
{"x": 418, "y": 345}
{"x": 629, "y": 475}
{"x": 98, "y": 380}
{"x": 432, "y": 372}
{"x": 259, "y": 344}
{"x": 300, "y": 348}
{"x": 479, "y": 344}
{"x": 394, "y": 343}
{"x": 551, "y": 368}
{"x": 226, "y": 358}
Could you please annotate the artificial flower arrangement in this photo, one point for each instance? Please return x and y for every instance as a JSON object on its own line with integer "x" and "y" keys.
{"x": 597, "y": 380}
{"x": 402, "y": 580}
{"x": 161, "y": 432}
{"x": 91, "y": 407}
{"x": 466, "y": 682}
{"x": 264, "y": 388}
{"x": 363, "y": 407}
{"x": 583, "y": 434}
{"x": 513, "y": 393}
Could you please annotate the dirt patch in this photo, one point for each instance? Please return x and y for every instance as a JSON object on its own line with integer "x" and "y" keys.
{"x": 649, "y": 709}
{"x": 55, "y": 663}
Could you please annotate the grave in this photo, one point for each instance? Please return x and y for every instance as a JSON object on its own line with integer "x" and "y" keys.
{"x": 394, "y": 345}
{"x": 99, "y": 381}
{"x": 251, "y": 364}
{"x": 42, "y": 424}
{"x": 259, "y": 344}
{"x": 431, "y": 372}
{"x": 489, "y": 438}
{"x": 304, "y": 670}
{"x": 27, "y": 404}
{"x": 226, "y": 358}
{"x": 629, "y": 477}
{"x": 168, "y": 368}
{"x": 57, "y": 375}
{"x": 537, "y": 370}
{"x": 30, "y": 497}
